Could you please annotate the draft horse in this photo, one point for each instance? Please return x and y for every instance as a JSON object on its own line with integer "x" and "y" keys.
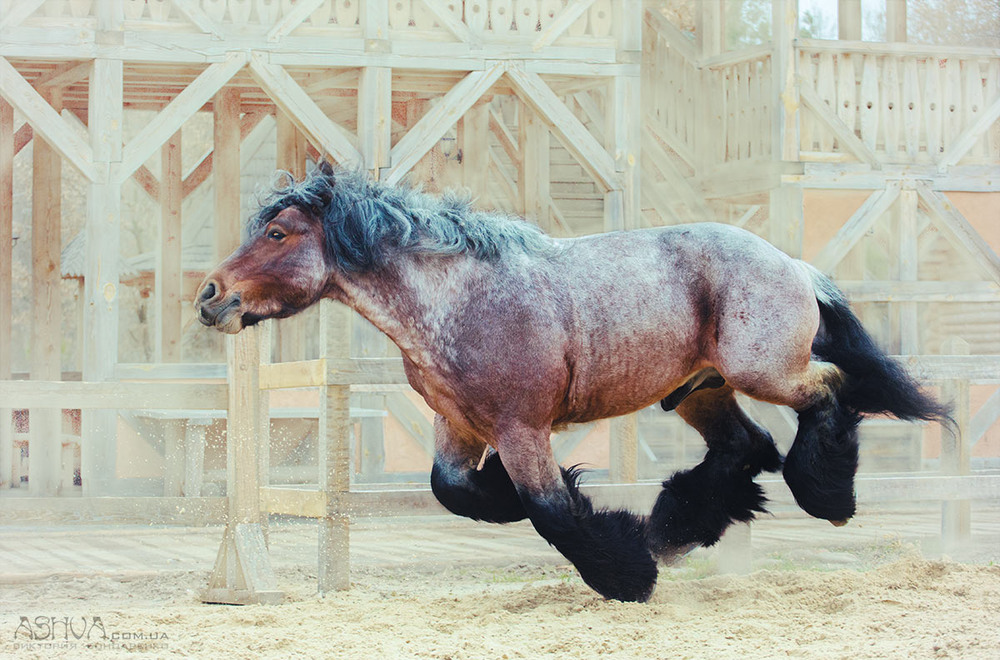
{"x": 508, "y": 334}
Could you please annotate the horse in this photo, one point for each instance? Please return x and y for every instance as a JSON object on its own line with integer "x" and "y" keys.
{"x": 509, "y": 334}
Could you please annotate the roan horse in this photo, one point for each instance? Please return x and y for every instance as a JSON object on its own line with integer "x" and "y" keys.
{"x": 509, "y": 334}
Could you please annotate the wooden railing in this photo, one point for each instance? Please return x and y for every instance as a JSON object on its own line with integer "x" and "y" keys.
{"x": 486, "y": 20}
{"x": 897, "y": 103}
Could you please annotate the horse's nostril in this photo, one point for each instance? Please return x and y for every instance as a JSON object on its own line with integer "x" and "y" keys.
{"x": 208, "y": 292}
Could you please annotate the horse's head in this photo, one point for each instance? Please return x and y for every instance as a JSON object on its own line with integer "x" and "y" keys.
{"x": 278, "y": 271}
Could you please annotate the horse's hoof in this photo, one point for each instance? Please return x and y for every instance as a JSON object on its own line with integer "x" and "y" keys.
{"x": 840, "y": 523}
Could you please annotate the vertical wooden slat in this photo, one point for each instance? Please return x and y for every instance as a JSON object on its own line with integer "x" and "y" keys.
{"x": 932, "y": 114}
{"x": 847, "y": 100}
{"x": 533, "y": 168}
{"x": 826, "y": 87}
{"x": 956, "y": 453}
{"x": 972, "y": 102}
{"x": 375, "y": 117}
{"x": 992, "y": 92}
{"x": 474, "y": 136}
{"x": 869, "y": 104}
{"x": 911, "y": 108}
{"x": 890, "y": 110}
{"x": 807, "y": 123}
{"x": 952, "y": 102}
{"x": 909, "y": 340}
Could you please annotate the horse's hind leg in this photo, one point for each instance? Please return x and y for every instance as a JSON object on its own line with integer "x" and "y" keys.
{"x": 466, "y": 489}
{"x": 608, "y": 548}
{"x": 696, "y": 506}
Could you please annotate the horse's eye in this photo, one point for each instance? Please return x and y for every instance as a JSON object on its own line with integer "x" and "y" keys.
{"x": 275, "y": 235}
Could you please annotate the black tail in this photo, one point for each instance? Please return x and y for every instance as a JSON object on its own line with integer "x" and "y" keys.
{"x": 875, "y": 383}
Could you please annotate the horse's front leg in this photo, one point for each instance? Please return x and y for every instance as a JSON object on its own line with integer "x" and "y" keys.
{"x": 607, "y": 547}
{"x": 463, "y": 486}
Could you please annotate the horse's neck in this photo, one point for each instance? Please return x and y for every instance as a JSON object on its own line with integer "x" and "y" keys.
{"x": 408, "y": 302}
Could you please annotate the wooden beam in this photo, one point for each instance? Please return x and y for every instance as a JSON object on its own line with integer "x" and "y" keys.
{"x": 6, "y": 280}
{"x": 849, "y": 19}
{"x": 45, "y": 120}
{"x": 560, "y": 24}
{"x": 320, "y": 129}
{"x": 64, "y": 74}
{"x": 844, "y": 133}
{"x": 194, "y": 13}
{"x": 201, "y": 90}
{"x": 856, "y": 226}
{"x": 946, "y": 217}
{"x": 375, "y": 117}
{"x": 969, "y": 136}
{"x": 94, "y": 395}
{"x": 673, "y": 36}
{"x": 531, "y": 89}
{"x": 293, "y": 19}
{"x": 533, "y": 170}
{"x": 474, "y": 135}
{"x": 19, "y": 11}
{"x": 100, "y": 292}
{"x": 429, "y": 129}
{"x": 506, "y": 140}
{"x": 919, "y": 291}
{"x": 169, "y": 272}
{"x": 448, "y": 21}
{"x": 226, "y": 171}
{"x": 895, "y": 20}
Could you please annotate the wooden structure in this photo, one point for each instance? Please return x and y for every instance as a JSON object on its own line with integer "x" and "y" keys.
{"x": 584, "y": 115}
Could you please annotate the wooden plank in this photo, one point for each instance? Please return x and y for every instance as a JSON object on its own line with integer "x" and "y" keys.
{"x": 856, "y": 226}
{"x": 909, "y": 326}
{"x": 956, "y": 450}
{"x": 429, "y": 129}
{"x": 945, "y": 216}
{"x": 180, "y": 371}
{"x": 845, "y": 135}
{"x": 984, "y": 419}
{"x": 171, "y": 118}
{"x": 976, "y": 368}
{"x": 574, "y": 136}
{"x": 560, "y": 23}
{"x": 533, "y": 169}
{"x": 192, "y": 511}
{"x": 46, "y": 121}
{"x": 365, "y": 371}
{"x": 305, "y": 503}
{"x": 169, "y": 275}
{"x": 327, "y": 135}
{"x": 676, "y": 39}
{"x": 919, "y": 291}
{"x": 474, "y": 134}
{"x": 92, "y": 395}
{"x": 282, "y": 375}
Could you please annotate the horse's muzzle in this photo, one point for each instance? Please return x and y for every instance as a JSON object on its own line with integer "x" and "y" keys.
{"x": 218, "y": 310}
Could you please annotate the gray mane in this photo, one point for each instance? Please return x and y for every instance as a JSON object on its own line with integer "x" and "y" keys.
{"x": 366, "y": 223}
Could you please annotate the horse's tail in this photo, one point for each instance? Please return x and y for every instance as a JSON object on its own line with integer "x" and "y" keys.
{"x": 874, "y": 382}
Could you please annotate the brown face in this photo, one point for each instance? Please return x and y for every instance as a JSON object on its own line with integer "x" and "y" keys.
{"x": 274, "y": 274}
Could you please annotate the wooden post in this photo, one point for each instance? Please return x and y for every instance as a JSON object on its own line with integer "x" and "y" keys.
{"x": 334, "y": 453}
{"x": 103, "y": 234}
{"x": 849, "y": 20}
{"x": 45, "y": 438}
{"x": 711, "y": 27}
{"x": 375, "y": 117}
{"x": 243, "y": 573}
{"x": 895, "y": 20}
{"x": 6, "y": 280}
{"x": 909, "y": 331}
{"x": 786, "y": 200}
{"x": 169, "y": 274}
{"x": 956, "y": 450}
{"x": 291, "y": 157}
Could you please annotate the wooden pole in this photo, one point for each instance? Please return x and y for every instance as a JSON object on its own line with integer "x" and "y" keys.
{"x": 291, "y": 157}
{"x": 474, "y": 139}
{"x": 334, "y": 456}
{"x": 242, "y": 573}
{"x": 6, "y": 281}
{"x": 956, "y": 451}
{"x": 45, "y": 438}
{"x": 170, "y": 275}
{"x": 786, "y": 201}
{"x": 849, "y": 20}
{"x": 533, "y": 168}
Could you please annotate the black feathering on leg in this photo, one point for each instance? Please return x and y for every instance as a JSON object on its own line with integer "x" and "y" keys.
{"x": 696, "y": 506}
{"x": 607, "y": 547}
{"x": 487, "y": 494}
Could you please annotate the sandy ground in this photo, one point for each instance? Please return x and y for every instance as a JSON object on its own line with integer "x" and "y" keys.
{"x": 892, "y": 604}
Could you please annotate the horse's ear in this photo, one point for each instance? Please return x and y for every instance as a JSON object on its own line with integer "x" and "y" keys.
{"x": 325, "y": 168}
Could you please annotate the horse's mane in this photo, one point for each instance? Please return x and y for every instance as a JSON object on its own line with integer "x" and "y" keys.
{"x": 366, "y": 222}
